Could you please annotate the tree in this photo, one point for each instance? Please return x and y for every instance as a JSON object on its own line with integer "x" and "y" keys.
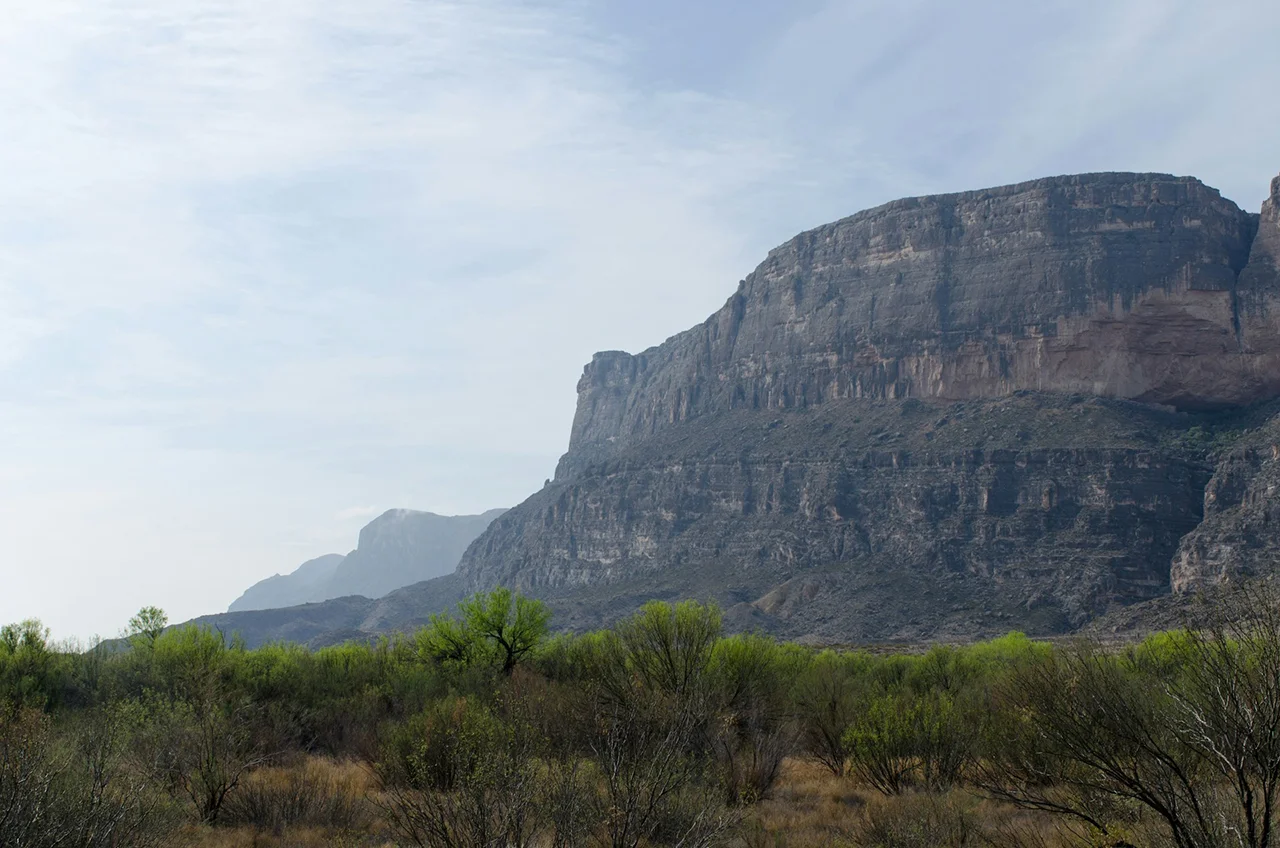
{"x": 32, "y": 671}
{"x": 501, "y": 628}
{"x": 146, "y": 626}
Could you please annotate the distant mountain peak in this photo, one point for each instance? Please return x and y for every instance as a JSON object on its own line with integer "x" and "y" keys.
{"x": 398, "y": 548}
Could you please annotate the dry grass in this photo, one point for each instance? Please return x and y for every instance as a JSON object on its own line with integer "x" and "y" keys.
{"x": 812, "y": 808}
{"x": 307, "y": 804}
{"x": 320, "y": 803}
{"x": 809, "y": 806}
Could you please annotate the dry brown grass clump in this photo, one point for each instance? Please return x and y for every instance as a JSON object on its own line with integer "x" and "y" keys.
{"x": 812, "y": 808}
{"x": 311, "y": 802}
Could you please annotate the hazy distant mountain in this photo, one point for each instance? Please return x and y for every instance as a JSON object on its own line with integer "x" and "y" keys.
{"x": 399, "y": 547}
{"x": 403, "y": 546}
{"x": 307, "y": 583}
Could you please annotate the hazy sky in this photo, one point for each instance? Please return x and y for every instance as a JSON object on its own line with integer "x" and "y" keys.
{"x": 268, "y": 267}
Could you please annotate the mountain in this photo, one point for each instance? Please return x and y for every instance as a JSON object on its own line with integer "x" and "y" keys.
{"x": 946, "y": 417}
{"x": 397, "y": 548}
{"x": 307, "y": 583}
{"x": 402, "y": 546}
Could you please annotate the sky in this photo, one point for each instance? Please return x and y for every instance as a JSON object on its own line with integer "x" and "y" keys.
{"x": 270, "y": 268}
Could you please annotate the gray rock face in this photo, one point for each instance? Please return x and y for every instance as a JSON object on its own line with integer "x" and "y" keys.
{"x": 308, "y": 583}
{"x": 871, "y": 520}
{"x": 802, "y": 455}
{"x": 396, "y": 549}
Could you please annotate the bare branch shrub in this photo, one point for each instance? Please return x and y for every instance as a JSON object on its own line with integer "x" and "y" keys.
{"x": 1185, "y": 728}
{"x": 72, "y": 791}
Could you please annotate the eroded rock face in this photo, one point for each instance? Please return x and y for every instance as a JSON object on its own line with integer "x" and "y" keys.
{"x": 948, "y": 415}
{"x": 1240, "y": 534}
{"x": 1117, "y": 285}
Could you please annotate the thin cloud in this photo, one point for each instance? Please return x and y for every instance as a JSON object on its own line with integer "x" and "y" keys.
{"x": 354, "y": 512}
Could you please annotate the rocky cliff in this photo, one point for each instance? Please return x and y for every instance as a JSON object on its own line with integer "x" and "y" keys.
{"x": 1118, "y": 285}
{"x": 951, "y": 414}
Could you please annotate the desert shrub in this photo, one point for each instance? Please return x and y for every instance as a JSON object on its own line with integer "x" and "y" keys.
{"x": 200, "y": 751}
{"x": 33, "y": 672}
{"x": 900, "y": 741}
{"x": 919, "y": 820}
{"x": 826, "y": 700}
{"x": 659, "y": 693}
{"x": 458, "y": 776}
{"x": 755, "y": 729}
{"x": 312, "y": 793}
{"x": 1185, "y": 731}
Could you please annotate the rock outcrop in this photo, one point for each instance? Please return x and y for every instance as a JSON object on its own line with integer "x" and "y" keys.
{"x": 800, "y": 455}
{"x": 1240, "y": 535}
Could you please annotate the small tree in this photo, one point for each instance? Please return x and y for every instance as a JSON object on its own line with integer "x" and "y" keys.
{"x": 501, "y": 628}
{"x": 146, "y": 626}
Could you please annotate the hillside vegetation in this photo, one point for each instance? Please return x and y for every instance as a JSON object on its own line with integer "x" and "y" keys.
{"x": 484, "y": 730}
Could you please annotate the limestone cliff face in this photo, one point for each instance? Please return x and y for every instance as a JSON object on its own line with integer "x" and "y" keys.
{"x": 1240, "y": 536}
{"x": 1116, "y": 285}
{"x": 948, "y": 415}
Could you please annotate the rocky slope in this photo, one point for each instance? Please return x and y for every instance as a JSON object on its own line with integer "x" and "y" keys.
{"x": 398, "y": 548}
{"x": 340, "y": 619}
{"x": 1240, "y": 535}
